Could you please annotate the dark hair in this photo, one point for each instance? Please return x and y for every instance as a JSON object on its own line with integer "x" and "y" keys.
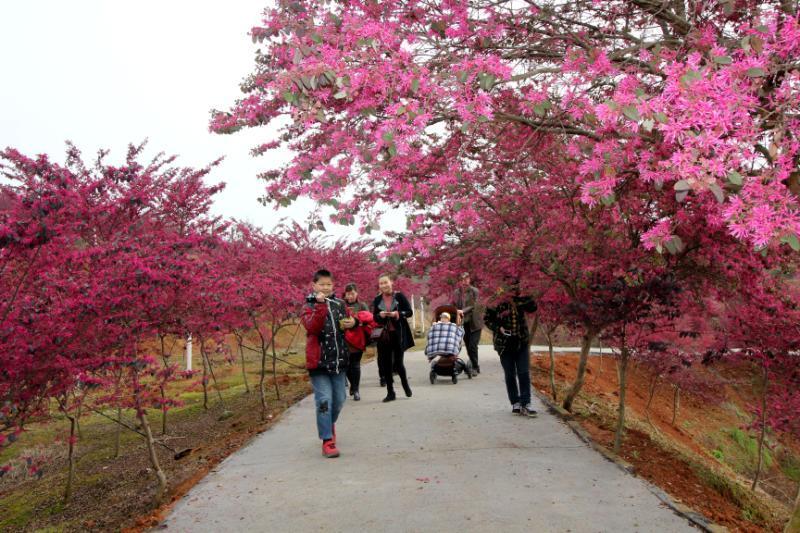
{"x": 322, "y": 273}
{"x": 350, "y": 287}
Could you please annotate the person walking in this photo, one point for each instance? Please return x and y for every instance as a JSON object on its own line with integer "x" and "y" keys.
{"x": 391, "y": 310}
{"x": 465, "y": 299}
{"x": 325, "y": 318}
{"x": 356, "y": 337}
{"x": 511, "y": 342}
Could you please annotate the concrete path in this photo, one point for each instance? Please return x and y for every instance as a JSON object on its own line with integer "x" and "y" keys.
{"x": 452, "y": 458}
{"x": 543, "y": 348}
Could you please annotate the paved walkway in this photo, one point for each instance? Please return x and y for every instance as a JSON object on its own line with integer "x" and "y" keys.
{"x": 571, "y": 349}
{"x": 452, "y": 458}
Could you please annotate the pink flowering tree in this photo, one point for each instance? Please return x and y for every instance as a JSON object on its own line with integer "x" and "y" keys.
{"x": 400, "y": 103}
{"x": 669, "y": 128}
{"x": 763, "y": 325}
{"x": 88, "y": 256}
{"x": 673, "y": 355}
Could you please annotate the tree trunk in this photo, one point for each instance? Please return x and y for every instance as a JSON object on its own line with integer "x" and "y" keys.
{"x": 78, "y": 420}
{"x": 70, "y": 459}
{"x": 163, "y": 412}
{"x": 553, "y": 390}
{"x": 161, "y": 388}
{"x": 572, "y": 393}
{"x": 600, "y": 362}
{"x": 244, "y": 371}
{"x": 275, "y": 367}
{"x": 763, "y": 432}
{"x": 213, "y": 376}
{"x": 205, "y": 383}
{"x": 261, "y": 388}
{"x": 118, "y": 436}
{"x": 151, "y": 450}
{"x": 793, "y": 525}
{"x": 262, "y": 378}
{"x": 653, "y": 386}
{"x": 676, "y": 403}
{"x": 623, "y": 382}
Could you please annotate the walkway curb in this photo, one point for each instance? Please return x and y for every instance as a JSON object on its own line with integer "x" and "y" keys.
{"x": 678, "y": 508}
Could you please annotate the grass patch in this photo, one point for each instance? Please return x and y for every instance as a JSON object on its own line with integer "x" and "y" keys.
{"x": 20, "y": 507}
{"x": 752, "y": 509}
{"x": 735, "y": 409}
{"x": 120, "y": 484}
{"x": 739, "y": 450}
{"x": 749, "y": 445}
{"x": 790, "y": 465}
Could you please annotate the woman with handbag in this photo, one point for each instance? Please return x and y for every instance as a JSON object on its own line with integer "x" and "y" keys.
{"x": 391, "y": 310}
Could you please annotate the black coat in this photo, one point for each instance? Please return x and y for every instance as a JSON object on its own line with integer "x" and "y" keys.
{"x": 400, "y": 304}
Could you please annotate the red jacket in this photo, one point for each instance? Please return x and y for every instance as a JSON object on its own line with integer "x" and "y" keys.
{"x": 358, "y": 336}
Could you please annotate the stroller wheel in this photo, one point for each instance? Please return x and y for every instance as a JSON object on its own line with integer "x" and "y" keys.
{"x": 433, "y": 377}
{"x": 455, "y": 379}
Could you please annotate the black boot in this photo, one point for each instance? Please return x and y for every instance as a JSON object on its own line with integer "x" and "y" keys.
{"x": 406, "y": 388}
{"x": 390, "y": 397}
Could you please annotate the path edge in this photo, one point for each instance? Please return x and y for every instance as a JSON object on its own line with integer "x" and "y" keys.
{"x": 695, "y": 518}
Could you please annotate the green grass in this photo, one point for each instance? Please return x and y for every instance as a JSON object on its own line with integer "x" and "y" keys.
{"x": 739, "y": 450}
{"x": 229, "y": 381}
{"x": 735, "y": 409}
{"x": 746, "y": 450}
{"x": 790, "y": 465}
{"x": 30, "y": 502}
{"x": 752, "y": 509}
{"x": 20, "y": 507}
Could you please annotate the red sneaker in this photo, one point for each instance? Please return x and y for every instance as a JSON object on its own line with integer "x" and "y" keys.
{"x": 329, "y": 449}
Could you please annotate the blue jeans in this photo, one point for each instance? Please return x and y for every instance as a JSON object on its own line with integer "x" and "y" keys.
{"x": 516, "y": 361}
{"x": 329, "y": 397}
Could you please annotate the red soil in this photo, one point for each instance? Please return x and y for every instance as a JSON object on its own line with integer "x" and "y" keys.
{"x": 665, "y": 469}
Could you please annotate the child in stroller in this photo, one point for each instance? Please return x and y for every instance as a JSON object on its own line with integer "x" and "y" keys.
{"x": 444, "y": 344}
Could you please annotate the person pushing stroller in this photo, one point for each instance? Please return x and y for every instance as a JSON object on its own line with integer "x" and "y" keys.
{"x": 444, "y": 344}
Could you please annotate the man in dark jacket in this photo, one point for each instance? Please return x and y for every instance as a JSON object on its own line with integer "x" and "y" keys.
{"x": 511, "y": 341}
{"x": 325, "y": 318}
{"x": 465, "y": 299}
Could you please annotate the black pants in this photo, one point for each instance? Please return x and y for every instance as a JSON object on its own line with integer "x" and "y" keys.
{"x": 516, "y": 362}
{"x": 354, "y": 371}
{"x": 472, "y": 339}
{"x": 390, "y": 360}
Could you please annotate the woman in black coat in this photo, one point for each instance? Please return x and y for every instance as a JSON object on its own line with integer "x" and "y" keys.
{"x": 391, "y": 311}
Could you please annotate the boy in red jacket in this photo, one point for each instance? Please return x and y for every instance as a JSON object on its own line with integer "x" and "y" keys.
{"x": 325, "y": 318}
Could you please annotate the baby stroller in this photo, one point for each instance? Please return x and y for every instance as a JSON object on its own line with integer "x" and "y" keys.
{"x": 444, "y": 344}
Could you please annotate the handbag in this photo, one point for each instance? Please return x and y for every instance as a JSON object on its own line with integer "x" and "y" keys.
{"x": 379, "y": 335}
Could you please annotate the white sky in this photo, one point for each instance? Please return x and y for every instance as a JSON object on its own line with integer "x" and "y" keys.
{"x": 104, "y": 73}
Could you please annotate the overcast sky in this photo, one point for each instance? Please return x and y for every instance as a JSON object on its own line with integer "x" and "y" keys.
{"x": 103, "y": 73}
